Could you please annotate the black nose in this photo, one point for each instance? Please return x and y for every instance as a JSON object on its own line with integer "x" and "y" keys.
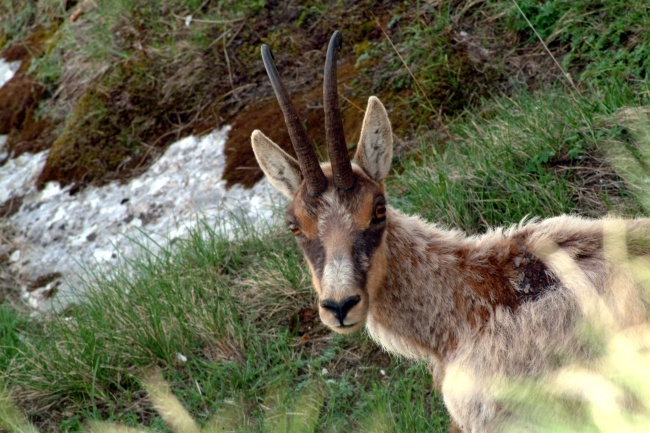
{"x": 340, "y": 309}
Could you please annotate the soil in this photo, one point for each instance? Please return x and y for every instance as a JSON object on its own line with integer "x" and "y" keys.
{"x": 20, "y": 97}
{"x": 241, "y": 166}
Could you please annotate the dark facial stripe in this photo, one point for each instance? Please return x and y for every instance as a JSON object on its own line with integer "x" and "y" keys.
{"x": 315, "y": 253}
{"x": 365, "y": 244}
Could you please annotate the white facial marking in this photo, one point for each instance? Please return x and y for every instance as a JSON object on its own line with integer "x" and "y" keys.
{"x": 338, "y": 275}
{"x": 334, "y": 212}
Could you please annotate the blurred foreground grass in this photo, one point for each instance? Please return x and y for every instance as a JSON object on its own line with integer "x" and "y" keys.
{"x": 613, "y": 393}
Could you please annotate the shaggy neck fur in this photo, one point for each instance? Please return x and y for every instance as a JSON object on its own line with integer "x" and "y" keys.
{"x": 442, "y": 287}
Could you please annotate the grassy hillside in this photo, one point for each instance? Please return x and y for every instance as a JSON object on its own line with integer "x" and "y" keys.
{"x": 495, "y": 127}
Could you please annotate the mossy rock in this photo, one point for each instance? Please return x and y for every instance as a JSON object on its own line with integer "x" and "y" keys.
{"x": 77, "y": 154}
{"x": 117, "y": 115}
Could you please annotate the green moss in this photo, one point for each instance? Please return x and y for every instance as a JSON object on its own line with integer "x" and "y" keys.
{"x": 123, "y": 109}
{"x": 364, "y": 30}
{"x": 283, "y": 41}
{"x": 362, "y": 48}
{"x": 79, "y": 152}
{"x": 21, "y": 17}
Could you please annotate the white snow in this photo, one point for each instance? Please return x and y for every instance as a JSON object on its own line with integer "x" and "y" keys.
{"x": 58, "y": 232}
{"x": 18, "y": 175}
{"x": 7, "y": 70}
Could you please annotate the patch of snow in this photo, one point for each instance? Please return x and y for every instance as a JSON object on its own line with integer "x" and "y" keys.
{"x": 7, "y": 70}
{"x": 18, "y": 175}
{"x": 61, "y": 233}
{"x": 14, "y": 257}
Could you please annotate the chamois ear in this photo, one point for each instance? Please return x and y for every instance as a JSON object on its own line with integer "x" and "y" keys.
{"x": 279, "y": 167}
{"x": 375, "y": 149}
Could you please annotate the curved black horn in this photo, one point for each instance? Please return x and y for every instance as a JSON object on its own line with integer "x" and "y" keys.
{"x": 314, "y": 176}
{"x": 338, "y": 150}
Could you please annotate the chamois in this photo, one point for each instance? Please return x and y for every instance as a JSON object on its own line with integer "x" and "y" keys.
{"x": 488, "y": 305}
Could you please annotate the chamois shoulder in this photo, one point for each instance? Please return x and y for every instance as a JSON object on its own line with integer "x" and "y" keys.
{"x": 497, "y": 267}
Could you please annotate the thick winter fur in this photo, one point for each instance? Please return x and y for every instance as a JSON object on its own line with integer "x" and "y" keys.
{"x": 497, "y": 305}
{"x": 488, "y": 306}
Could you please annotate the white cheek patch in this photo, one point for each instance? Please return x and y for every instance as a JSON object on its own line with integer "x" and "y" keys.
{"x": 338, "y": 276}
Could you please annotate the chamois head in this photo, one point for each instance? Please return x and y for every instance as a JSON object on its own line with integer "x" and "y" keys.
{"x": 338, "y": 210}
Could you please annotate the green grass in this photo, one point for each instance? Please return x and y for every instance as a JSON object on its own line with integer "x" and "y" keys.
{"x": 518, "y": 157}
{"x": 225, "y": 298}
{"x": 10, "y": 324}
{"x": 222, "y": 303}
{"x": 604, "y": 40}
{"x": 21, "y": 17}
{"x": 445, "y": 73}
{"x": 119, "y": 30}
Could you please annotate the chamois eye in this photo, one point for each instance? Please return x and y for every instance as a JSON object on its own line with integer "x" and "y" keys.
{"x": 380, "y": 213}
{"x": 295, "y": 229}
